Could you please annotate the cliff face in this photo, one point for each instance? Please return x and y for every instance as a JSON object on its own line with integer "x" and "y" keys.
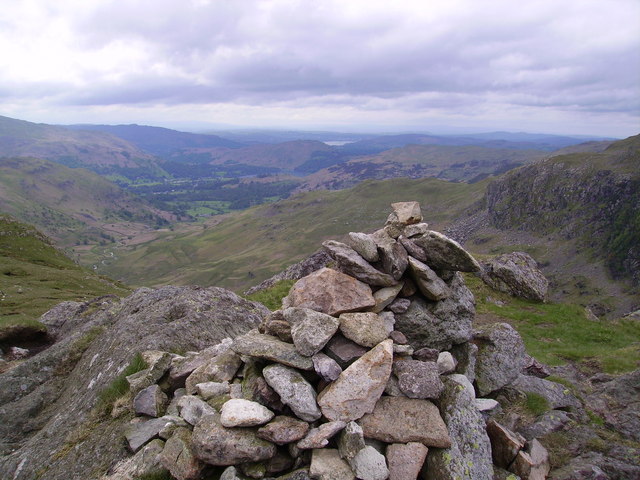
{"x": 593, "y": 198}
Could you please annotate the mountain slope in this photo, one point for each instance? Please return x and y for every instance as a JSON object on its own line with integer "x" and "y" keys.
{"x": 101, "y": 152}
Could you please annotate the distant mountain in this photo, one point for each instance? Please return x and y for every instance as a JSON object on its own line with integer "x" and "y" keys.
{"x": 101, "y": 152}
{"x": 73, "y": 206}
{"x": 162, "y": 142}
{"x": 279, "y": 136}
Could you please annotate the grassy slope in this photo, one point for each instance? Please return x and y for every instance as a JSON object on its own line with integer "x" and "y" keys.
{"x": 34, "y": 275}
{"x": 253, "y": 245}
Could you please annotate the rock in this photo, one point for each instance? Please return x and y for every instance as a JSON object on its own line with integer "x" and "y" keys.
{"x": 418, "y": 379}
{"x": 386, "y": 296}
{"x": 402, "y": 350}
{"x": 427, "y": 281}
{"x": 344, "y": 351}
{"x": 364, "y": 328}
{"x": 364, "y": 245}
{"x": 405, "y": 460}
{"x": 217, "y": 445}
{"x": 505, "y": 444}
{"x": 516, "y": 274}
{"x": 151, "y": 401}
{"x": 192, "y": 409}
{"x": 138, "y": 434}
{"x": 329, "y": 291}
{"x": 415, "y": 230}
{"x": 400, "y": 305}
{"x": 270, "y": 348}
{"x": 398, "y": 337}
{"x": 280, "y": 329}
{"x": 393, "y": 256}
{"x": 485, "y": 404}
{"x": 439, "y": 324}
{"x": 369, "y": 464}
{"x": 389, "y": 320}
{"x": 427, "y": 354}
{"x": 209, "y": 390}
{"x": 446, "y": 363}
{"x": 358, "y": 388}
{"x": 556, "y": 394}
{"x": 178, "y": 457}
{"x": 326, "y": 367}
{"x": 173, "y": 423}
{"x": 469, "y": 456}
{"x": 183, "y": 367}
{"x": 239, "y": 412}
{"x": 466, "y": 354}
{"x": 294, "y": 391}
{"x": 283, "y": 429}
{"x": 230, "y": 473}
{"x": 351, "y": 441}
{"x": 403, "y": 420}
{"x": 444, "y": 253}
{"x": 145, "y": 462}
{"x": 17, "y": 353}
{"x": 310, "y": 330}
{"x": 354, "y": 265}
{"x": 393, "y": 389}
{"x": 319, "y": 437}
{"x": 221, "y": 368}
{"x": 534, "y": 368}
{"x": 548, "y": 422}
{"x": 532, "y": 464}
{"x": 412, "y": 249}
{"x": 407, "y": 213}
{"x": 158, "y": 363}
{"x": 326, "y": 464}
{"x": 500, "y": 358}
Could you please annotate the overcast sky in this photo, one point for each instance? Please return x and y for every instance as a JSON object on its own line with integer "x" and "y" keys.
{"x": 569, "y": 66}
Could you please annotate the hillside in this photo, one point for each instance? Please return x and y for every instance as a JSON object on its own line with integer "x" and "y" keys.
{"x": 73, "y": 206}
{"x": 101, "y": 152}
{"x": 35, "y": 276}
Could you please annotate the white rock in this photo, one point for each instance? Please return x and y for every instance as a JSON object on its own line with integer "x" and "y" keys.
{"x": 238, "y": 412}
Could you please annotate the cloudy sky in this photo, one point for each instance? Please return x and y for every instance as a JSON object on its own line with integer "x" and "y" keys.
{"x": 570, "y": 66}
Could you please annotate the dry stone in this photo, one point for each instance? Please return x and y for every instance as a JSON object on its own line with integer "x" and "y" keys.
{"x": 140, "y": 433}
{"x": 351, "y": 441}
{"x": 331, "y": 292}
{"x": 183, "y": 367}
{"x": 400, "y": 305}
{"x": 294, "y": 391}
{"x": 517, "y": 274}
{"x": 444, "y": 253}
{"x": 403, "y": 420}
{"x": 412, "y": 249}
{"x": 369, "y": 464}
{"x": 415, "y": 230}
{"x": 358, "y": 388}
{"x": 364, "y": 328}
{"x": 393, "y": 256}
{"x": 209, "y": 390}
{"x": 283, "y": 430}
{"x": 326, "y": 367}
{"x": 270, "y": 348}
{"x": 326, "y": 464}
{"x": 319, "y": 437}
{"x": 364, "y": 245}
{"x": 178, "y": 456}
{"x": 428, "y": 282}
{"x": 193, "y": 408}
{"x": 310, "y": 330}
{"x": 222, "y": 368}
{"x": 353, "y": 264}
{"x": 239, "y": 412}
{"x": 556, "y": 394}
{"x": 446, "y": 363}
{"x": 343, "y": 350}
{"x": 407, "y": 213}
{"x": 405, "y": 460}
{"x": 145, "y": 462}
{"x": 151, "y": 401}
{"x": 532, "y": 464}
{"x": 505, "y": 444}
{"x": 386, "y": 296}
{"x": 418, "y": 379}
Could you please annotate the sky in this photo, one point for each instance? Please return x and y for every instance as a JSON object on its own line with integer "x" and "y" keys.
{"x": 441, "y": 66}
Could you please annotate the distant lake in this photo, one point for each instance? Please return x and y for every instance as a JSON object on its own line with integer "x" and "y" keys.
{"x": 338, "y": 143}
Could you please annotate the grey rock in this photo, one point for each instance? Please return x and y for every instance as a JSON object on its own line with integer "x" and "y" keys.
{"x": 358, "y": 388}
{"x": 331, "y": 292}
{"x": 532, "y": 464}
{"x": 146, "y": 461}
{"x": 172, "y": 408}
{"x": 231, "y": 473}
{"x": 386, "y": 296}
{"x": 505, "y": 444}
{"x": 403, "y": 420}
{"x": 534, "y": 368}
{"x": 326, "y": 367}
{"x": 140, "y": 433}
{"x": 369, "y": 464}
{"x": 439, "y": 324}
{"x": 319, "y": 437}
{"x": 412, "y": 249}
{"x": 427, "y": 281}
{"x": 415, "y": 230}
{"x": 209, "y": 390}
{"x": 398, "y": 337}
{"x": 393, "y": 256}
{"x": 516, "y": 274}
{"x": 392, "y": 227}
{"x": 402, "y": 350}
{"x": 556, "y": 394}
{"x": 400, "y": 305}
{"x": 486, "y": 404}
{"x": 389, "y": 320}
{"x": 353, "y": 264}
{"x": 418, "y": 379}
{"x": 270, "y": 348}
{"x": 351, "y": 441}
{"x": 193, "y": 408}
{"x": 173, "y": 423}
{"x": 326, "y": 464}
{"x": 392, "y": 388}
{"x": 407, "y": 213}
{"x": 221, "y": 368}
{"x": 343, "y": 350}
{"x": 548, "y": 422}
{"x": 294, "y": 391}
{"x": 151, "y": 401}
{"x": 444, "y": 253}
{"x": 310, "y": 330}
{"x": 500, "y": 358}
{"x": 220, "y": 446}
{"x": 405, "y": 460}
{"x": 364, "y": 245}
{"x": 283, "y": 430}
{"x": 446, "y": 363}
{"x": 364, "y": 328}
{"x": 239, "y": 412}
{"x": 465, "y": 354}
{"x": 278, "y": 328}
{"x": 158, "y": 363}
{"x": 181, "y": 368}
{"x": 427, "y": 354}
{"x": 469, "y": 456}
{"x": 178, "y": 456}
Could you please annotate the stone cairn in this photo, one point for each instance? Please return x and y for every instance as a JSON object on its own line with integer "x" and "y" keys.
{"x": 370, "y": 370}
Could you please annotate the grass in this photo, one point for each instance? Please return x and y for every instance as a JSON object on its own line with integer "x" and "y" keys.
{"x": 272, "y": 297}
{"x": 119, "y": 385}
{"x": 158, "y": 475}
{"x": 536, "y": 404}
{"x": 555, "y": 333}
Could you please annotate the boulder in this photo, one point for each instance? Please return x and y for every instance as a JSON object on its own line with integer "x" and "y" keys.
{"x": 505, "y": 444}
{"x": 364, "y": 328}
{"x": 270, "y": 348}
{"x": 343, "y": 350}
{"x": 209, "y": 390}
{"x": 516, "y": 274}
{"x": 404, "y": 420}
{"x": 556, "y": 394}
{"x": 220, "y": 446}
{"x": 139, "y": 433}
{"x": 443, "y": 253}
{"x": 357, "y": 389}
{"x": 407, "y": 213}
{"x": 385, "y": 296}
{"x": 415, "y": 230}
{"x": 329, "y": 291}
{"x": 354, "y": 265}
{"x": 294, "y": 391}
{"x": 446, "y": 363}
{"x": 193, "y": 408}
{"x": 145, "y": 462}
{"x": 405, "y": 460}
{"x": 310, "y": 330}
{"x": 181, "y": 368}
{"x": 500, "y": 357}
{"x": 351, "y": 441}
{"x": 532, "y": 464}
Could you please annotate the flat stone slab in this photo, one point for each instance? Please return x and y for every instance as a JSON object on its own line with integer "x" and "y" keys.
{"x": 428, "y": 282}
{"x": 404, "y": 420}
{"x": 138, "y": 434}
{"x": 319, "y": 437}
{"x": 310, "y": 330}
{"x": 259, "y": 345}
{"x": 443, "y": 253}
{"x": 283, "y": 430}
{"x": 364, "y": 245}
{"x": 364, "y": 328}
{"x": 356, "y": 266}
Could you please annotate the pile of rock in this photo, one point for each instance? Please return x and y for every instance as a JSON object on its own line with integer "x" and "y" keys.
{"x": 366, "y": 372}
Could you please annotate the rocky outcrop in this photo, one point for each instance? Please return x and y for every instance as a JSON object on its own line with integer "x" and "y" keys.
{"x": 516, "y": 274}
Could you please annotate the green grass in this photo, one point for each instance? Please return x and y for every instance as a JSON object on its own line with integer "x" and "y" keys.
{"x": 119, "y": 386}
{"x": 272, "y": 297}
{"x": 536, "y": 404}
{"x": 555, "y": 333}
